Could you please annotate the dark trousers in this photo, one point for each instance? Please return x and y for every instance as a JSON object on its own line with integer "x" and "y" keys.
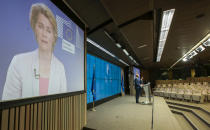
{"x": 138, "y": 91}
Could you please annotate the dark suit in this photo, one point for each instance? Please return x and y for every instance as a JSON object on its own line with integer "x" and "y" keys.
{"x": 138, "y": 89}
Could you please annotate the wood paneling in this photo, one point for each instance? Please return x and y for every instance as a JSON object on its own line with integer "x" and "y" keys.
{"x": 68, "y": 113}
{"x": 11, "y": 119}
{"x": 5, "y": 118}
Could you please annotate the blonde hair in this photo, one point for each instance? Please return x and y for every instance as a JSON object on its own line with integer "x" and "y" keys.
{"x": 137, "y": 75}
{"x": 40, "y": 8}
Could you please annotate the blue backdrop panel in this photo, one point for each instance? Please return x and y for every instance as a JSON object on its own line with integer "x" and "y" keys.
{"x": 107, "y": 75}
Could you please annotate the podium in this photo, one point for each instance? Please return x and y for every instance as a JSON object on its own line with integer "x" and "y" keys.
{"x": 147, "y": 91}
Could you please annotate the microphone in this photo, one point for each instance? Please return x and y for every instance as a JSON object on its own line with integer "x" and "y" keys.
{"x": 36, "y": 75}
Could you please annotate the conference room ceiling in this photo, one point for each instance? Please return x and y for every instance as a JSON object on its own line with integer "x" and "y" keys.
{"x": 132, "y": 24}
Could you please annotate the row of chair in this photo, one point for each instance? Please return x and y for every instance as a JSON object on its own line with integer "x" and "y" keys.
{"x": 199, "y": 92}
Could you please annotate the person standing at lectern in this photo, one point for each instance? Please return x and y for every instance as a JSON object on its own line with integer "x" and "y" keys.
{"x": 137, "y": 87}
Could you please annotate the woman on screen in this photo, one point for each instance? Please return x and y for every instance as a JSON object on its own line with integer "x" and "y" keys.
{"x": 38, "y": 72}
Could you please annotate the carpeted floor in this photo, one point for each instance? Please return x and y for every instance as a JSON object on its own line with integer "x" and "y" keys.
{"x": 205, "y": 105}
{"x": 121, "y": 114}
{"x": 183, "y": 122}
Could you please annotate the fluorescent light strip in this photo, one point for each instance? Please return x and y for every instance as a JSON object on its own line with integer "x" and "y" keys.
{"x": 131, "y": 57}
{"x": 185, "y": 59}
{"x": 135, "y": 62}
{"x": 101, "y": 48}
{"x": 118, "y": 45}
{"x": 108, "y": 35}
{"x": 125, "y": 51}
{"x": 204, "y": 40}
{"x": 144, "y": 45}
{"x": 165, "y": 26}
{"x": 98, "y": 46}
{"x": 123, "y": 62}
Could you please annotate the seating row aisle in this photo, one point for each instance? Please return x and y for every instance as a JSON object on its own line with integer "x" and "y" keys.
{"x": 199, "y": 91}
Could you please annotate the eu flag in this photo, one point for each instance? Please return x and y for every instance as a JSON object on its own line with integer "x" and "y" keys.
{"x": 93, "y": 86}
{"x": 122, "y": 84}
{"x": 68, "y": 34}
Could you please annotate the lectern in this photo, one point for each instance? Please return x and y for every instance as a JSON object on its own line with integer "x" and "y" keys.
{"x": 147, "y": 91}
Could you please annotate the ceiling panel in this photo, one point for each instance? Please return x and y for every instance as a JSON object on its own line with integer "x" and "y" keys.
{"x": 91, "y": 11}
{"x": 124, "y": 10}
{"x": 190, "y": 24}
{"x": 140, "y": 33}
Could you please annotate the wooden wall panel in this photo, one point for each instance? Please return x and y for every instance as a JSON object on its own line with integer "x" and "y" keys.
{"x": 67, "y": 113}
{"x": 4, "y": 119}
{"x": 56, "y": 114}
{"x": 39, "y": 118}
{"x": 35, "y": 117}
{"x": 22, "y": 118}
{"x": 27, "y": 126}
{"x": 12, "y": 119}
{"x": 48, "y": 115}
{"x": 71, "y": 114}
{"x": 43, "y": 115}
{"x": 16, "y": 118}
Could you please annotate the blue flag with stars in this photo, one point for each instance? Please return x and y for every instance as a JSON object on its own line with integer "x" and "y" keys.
{"x": 122, "y": 84}
{"x": 93, "y": 86}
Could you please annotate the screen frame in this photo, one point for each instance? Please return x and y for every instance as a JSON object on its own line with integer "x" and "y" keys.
{"x": 5, "y": 104}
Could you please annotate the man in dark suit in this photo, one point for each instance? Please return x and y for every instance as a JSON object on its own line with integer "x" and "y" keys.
{"x": 137, "y": 87}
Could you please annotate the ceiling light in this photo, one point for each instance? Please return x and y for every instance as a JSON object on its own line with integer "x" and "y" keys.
{"x": 200, "y": 48}
{"x": 165, "y": 26}
{"x": 124, "y": 50}
{"x": 144, "y": 45}
{"x": 118, "y": 45}
{"x": 131, "y": 57}
{"x": 135, "y": 62}
{"x": 207, "y": 43}
{"x": 123, "y": 62}
{"x": 185, "y": 59}
{"x": 101, "y": 48}
{"x": 192, "y": 54}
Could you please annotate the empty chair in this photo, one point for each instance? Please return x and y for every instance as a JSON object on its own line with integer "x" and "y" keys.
{"x": 205, "y": 84}
{"x": 188, "y": 92}
{"x": 180, "y": 93}
{"x": 209, "y": 94}
{"x": 205, "y": 90}
{"x": 197, "y": 95}
{"x": 205, "y": 94}
{"x": 174, "y": 91}
{"x": 162, "y": 90}
{"x": 168, "y": 91}
{"x": 157, "y": 90}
